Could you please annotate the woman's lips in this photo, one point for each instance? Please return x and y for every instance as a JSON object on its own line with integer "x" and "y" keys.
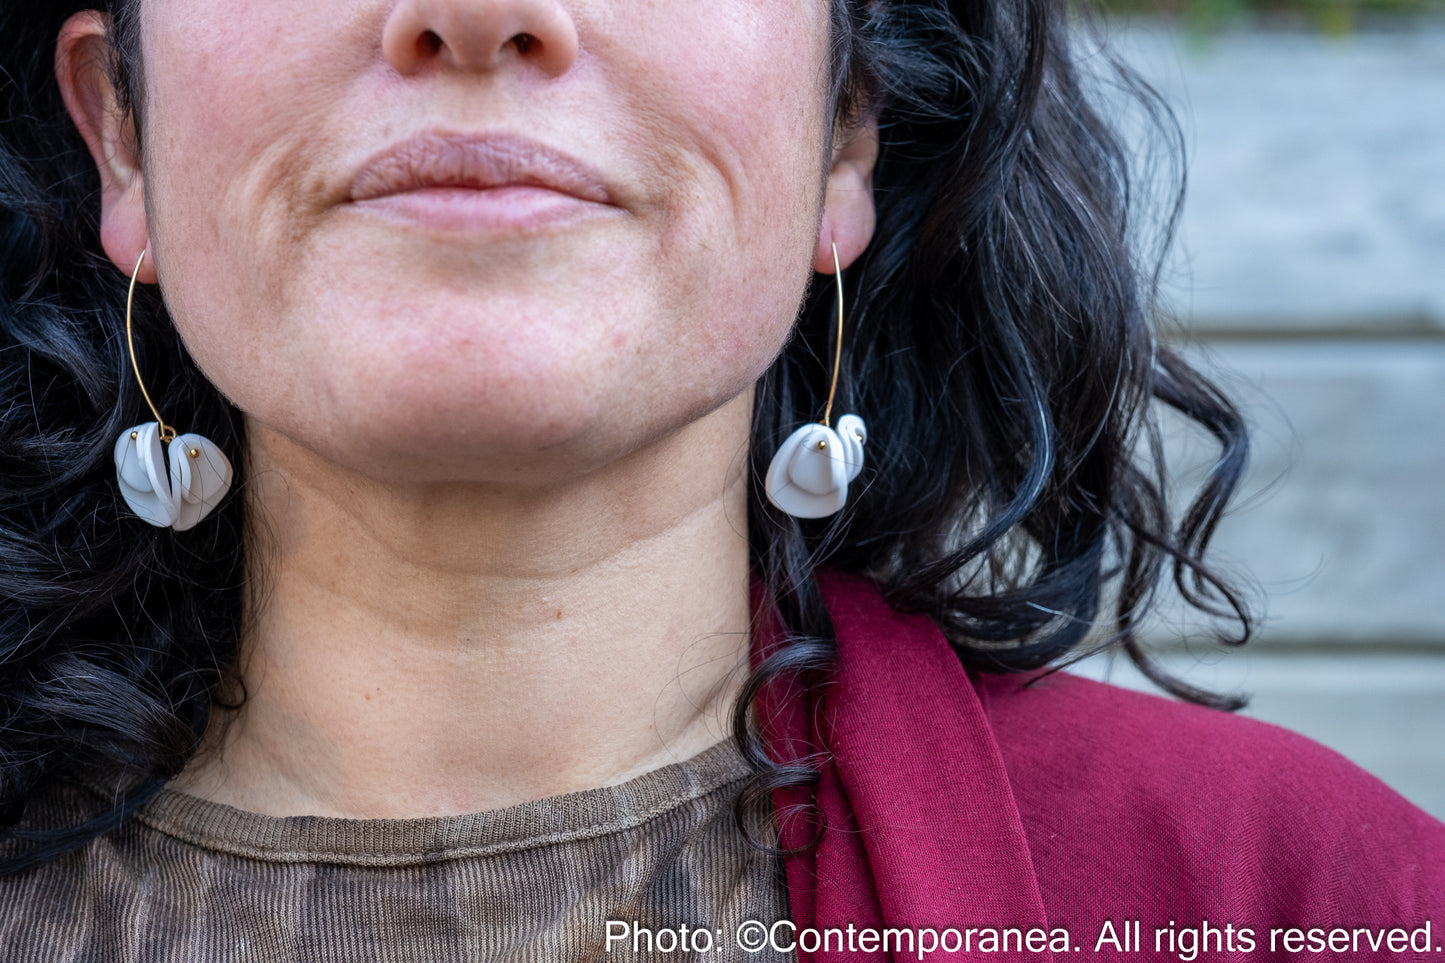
{"x": 478, "y": 183}
{"x": 509, "y": 207}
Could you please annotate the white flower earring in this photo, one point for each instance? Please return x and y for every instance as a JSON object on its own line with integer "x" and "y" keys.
{"x": 809, "y": 476}
{"x": 199, "y": 473}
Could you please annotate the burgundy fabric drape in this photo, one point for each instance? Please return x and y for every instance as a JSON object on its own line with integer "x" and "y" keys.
{"x": 922, "y": 826}
{"x": 935, "y": 782}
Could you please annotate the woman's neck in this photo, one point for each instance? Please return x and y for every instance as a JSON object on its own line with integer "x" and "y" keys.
{"x": 438, "y": 649}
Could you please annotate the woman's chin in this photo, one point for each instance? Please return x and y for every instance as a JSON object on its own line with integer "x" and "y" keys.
{"x": 531, "y": 443}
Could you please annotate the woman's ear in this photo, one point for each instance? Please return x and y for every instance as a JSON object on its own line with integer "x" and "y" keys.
{"x": 848, "y": 214}
{"x": 82, "y": 69}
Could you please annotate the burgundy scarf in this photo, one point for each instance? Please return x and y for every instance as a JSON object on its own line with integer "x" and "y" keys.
{"x": 922, "y": 826}
{"x": 1172, "y": 814}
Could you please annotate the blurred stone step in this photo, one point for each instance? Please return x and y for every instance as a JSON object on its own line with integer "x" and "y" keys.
{"x": 1342, "y": 517}
{"x": 1316, "y": 191}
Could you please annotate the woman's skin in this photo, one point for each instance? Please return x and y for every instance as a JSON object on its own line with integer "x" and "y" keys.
{"x": 497, "y": 435}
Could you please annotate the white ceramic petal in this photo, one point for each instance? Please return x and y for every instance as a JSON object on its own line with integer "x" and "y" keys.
{"x": 130, "y": 468}
{"x": 807, "y": 481}
{"x": 778, "y": 468}
{"x": 854, "y": 434}
{"x": 199, "y": 482}
{"x": 140, "y": 469}
{"x": 817, "y": 465}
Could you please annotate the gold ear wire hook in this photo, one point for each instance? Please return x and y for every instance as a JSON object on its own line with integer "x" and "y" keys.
{"x": 166, "y": 431}
{"x": 838, "y": 353}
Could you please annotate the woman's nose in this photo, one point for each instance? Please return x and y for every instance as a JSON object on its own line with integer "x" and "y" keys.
{"x": 479, "y": 35}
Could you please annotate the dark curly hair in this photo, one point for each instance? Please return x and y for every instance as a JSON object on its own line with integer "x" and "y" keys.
{"x": 1002, "y": 328}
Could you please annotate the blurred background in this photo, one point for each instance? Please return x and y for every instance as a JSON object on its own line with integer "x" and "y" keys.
{"x": 1308, "y": 278}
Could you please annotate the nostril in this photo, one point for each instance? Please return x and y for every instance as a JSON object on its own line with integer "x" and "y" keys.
{"x": 477, "y": 35}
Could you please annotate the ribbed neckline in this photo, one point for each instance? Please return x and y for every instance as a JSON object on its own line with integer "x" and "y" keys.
{"x": 402, "y": 842}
